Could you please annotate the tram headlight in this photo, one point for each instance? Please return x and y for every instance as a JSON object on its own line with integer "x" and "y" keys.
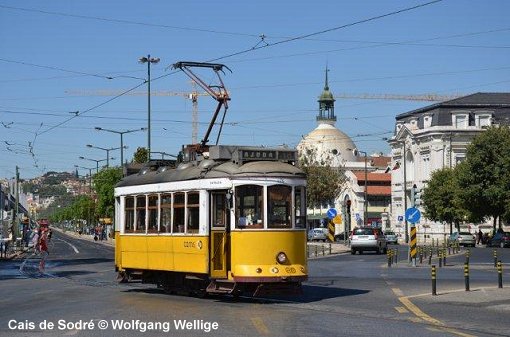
{"x": 281, "y": 258}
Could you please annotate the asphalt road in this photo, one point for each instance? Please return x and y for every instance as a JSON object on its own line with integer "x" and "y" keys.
{"x": 346, "y": 295}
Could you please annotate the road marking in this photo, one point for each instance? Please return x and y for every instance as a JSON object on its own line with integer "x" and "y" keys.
{"x": 401, "y": 310}
{"x": 260, "y": 326}
{"x": 397, "y": 292}
{"x": 416, "y": 319}
{"x": 417, "y": 312}
{"x": 72, "y": 246}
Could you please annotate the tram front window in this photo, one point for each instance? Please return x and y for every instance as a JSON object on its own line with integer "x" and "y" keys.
{"x": 193, "y": 212}
{"x": 249, "y": 206}
{"x": 279, "y": 206}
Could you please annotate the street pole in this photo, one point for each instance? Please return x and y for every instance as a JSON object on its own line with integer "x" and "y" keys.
{"x": 405, "y": 192}
{"x": 121, "y": 133}
{"x": 17, "y": 203}
{"x": 149, "y": 60}
{"x": 366, "y": 194}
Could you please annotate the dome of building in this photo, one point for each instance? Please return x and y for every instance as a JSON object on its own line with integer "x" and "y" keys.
{"x": 327, "y": 143}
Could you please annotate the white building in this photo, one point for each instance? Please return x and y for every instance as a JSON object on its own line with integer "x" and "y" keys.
{"x": 329, "y": 145}
{"x": 435, "y": 137}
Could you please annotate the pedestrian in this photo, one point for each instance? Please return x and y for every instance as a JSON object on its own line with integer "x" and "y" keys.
{"x": 35, "y": 241}
{"x": 43, "y": 247}
{"x": 479, "y": 238}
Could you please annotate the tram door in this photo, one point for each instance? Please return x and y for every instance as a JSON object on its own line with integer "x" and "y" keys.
{"x": 220, "y": 234}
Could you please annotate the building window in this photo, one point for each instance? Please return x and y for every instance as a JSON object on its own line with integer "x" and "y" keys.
{"x": 153, "y": 214}
{"x": 249, "y": 209}
{"x": 193, "y": 205}
{"x": 483, "y": 120}
{"x": 461, "y": 121}
{"x": 129, "y": 214}
{"x": 178, "y": 225}
{"x": 278, "y": 206}
{"x": 166, "y": 213}
{"x": 140, "y": 214}
{"x": 427, "y": 121}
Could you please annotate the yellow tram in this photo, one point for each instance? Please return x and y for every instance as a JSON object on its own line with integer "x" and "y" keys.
{"x": 231, "y": 221}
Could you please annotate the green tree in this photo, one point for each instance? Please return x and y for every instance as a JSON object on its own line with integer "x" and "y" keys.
{"x": 484, "y": 177}
{"x": 324, "y": 182}
{"x": 141, "y": 155}
{"x": 441, "y": 200}
{"x": 104, "y": 184}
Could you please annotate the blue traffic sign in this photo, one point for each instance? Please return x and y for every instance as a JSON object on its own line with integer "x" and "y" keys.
{"x": 400, "y": 218}
{"x": 413, "y": 215}
{"x": 331, "y": 213}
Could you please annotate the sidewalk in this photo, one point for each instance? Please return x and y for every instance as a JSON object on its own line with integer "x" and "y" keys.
{"x": 85, "y": 237}
{"x": 320, "y": 249}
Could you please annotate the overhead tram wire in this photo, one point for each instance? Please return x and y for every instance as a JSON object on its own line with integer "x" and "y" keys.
{"x": 252, "y": 49}
{"x": 301, "y": 37}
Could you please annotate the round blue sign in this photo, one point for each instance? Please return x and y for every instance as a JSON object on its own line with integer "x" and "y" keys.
{"x": 413, "y": 215}
{"x": 331, "y": 213}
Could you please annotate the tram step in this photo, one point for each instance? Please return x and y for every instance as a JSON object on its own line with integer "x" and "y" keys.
{"x": 221, "y": 287}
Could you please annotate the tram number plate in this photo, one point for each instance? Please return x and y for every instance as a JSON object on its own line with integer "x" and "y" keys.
{"x": 290, "y": 270}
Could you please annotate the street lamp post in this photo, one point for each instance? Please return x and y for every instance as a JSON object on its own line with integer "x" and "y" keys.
{"x": 107, "y": 152}
{"x": 121, "y": 133}
{"x": 97, "y": 161}
{"x": 149, "y": 60}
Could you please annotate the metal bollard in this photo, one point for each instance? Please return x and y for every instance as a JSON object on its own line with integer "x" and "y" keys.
{"x": 330, "y": 249}
{"x": 466, "y": 276}
{"x": 495, "y": 255}
{"x": 444, "y": 257}
{"x": 323, "y": 250}
{"x": 421, "y": 255}
{"x": 440, "y": 259}
{"x": 388, "y": 256}
{"x": 395, "y": 252}
{"x": 433, "y": 275}
{"x": 315, "y": 250}
{"x": 500, "y": 275}
{"x": 449, "y": 249}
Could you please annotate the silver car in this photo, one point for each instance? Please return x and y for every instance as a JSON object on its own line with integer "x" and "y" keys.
{"x": 367, "y": 238}
{"x": 391, "y": 237}
{"x": 463, "y": 239}
{"x": 317, "y": 234}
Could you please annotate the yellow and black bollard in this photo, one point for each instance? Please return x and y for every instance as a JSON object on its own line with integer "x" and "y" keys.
{"x": 412, "y": 244}
{"x": 466, "y": 276}
{"x": 467, "y": 257}
{"x": 500, "y": 275}
{"x": 395, "y": 254}
{"x": 439, "y": 253}
{"x": 388, "y": 256}
{"x": 495, "y": 255}
{"x": 330, "y": 249}
{"x": 444, "y": 257}
{"x": 421, "y": 254}
{"x": 433, "y": 275}
{"x": 316, "y": 250}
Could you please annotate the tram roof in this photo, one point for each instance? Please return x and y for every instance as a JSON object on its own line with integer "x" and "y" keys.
{"x": 208, "y": 169}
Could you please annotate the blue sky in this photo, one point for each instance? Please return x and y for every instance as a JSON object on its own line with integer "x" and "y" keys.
{"x": 49, "y": 49}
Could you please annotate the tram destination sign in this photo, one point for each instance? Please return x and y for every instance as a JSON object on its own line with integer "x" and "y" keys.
{"x": 269, "y": 155}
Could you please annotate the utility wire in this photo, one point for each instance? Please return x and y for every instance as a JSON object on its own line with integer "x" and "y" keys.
{"x": 326, "y": 30}
{"x": 125, "y": 21}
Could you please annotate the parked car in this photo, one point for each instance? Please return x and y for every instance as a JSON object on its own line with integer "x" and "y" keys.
{"x": 501, "y": 239}
{"x": 391, "y": 237}
{"x": 367, "y": 238}
{"x": 463, "y": 239}
{"x": 317, "y": 234}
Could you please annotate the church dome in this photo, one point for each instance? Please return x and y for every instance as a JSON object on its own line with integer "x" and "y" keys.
{"x": 329, "y": 144}
{"x": 326, "y": 96}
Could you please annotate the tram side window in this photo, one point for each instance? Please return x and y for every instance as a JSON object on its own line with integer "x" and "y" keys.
{"x": 153, "y": 214}
{"x": 178, "y": 213}
{"x": 279, "y": 206}
{"x": 140, "y": 214}
{"x": 166, "y": 213}
{"x": 249, "y": 210}
{"x": 193, "y": 212}
{"x": 129, "y": 214}
{"x": 300, "y": 200}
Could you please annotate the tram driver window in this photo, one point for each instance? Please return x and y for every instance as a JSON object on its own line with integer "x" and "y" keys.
{"x": 193, "y": 212}
{"x": 300, "y": 206}
{"x": 129, "y": 214}
{"x": 249, "y": 210}
{"x": 178, "y": 213}
{"x": 279, "y": 206}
